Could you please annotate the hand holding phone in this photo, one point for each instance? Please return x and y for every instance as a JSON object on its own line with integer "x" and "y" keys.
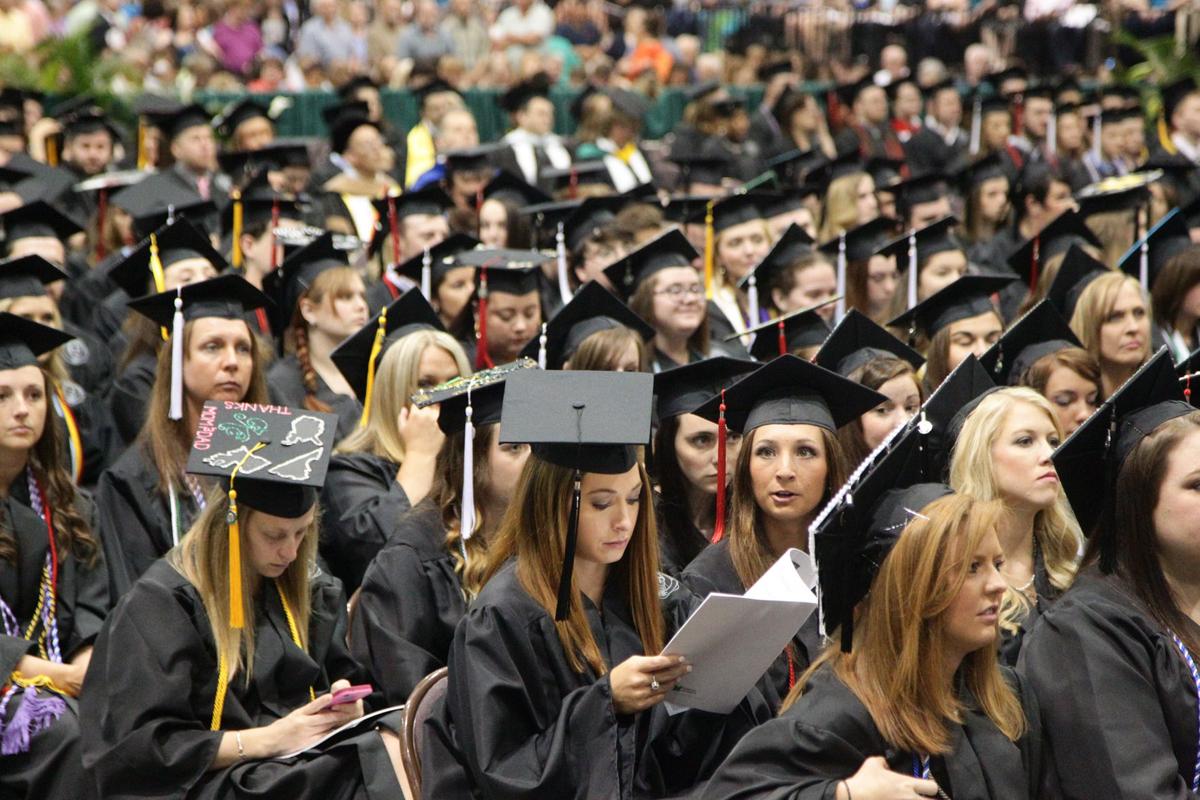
{"x": 350, "y": 694}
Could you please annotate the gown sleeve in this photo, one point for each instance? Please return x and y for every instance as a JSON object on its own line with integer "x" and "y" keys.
{"x": 12, "y": 650}
{"x": 90, "y": 603}
{"x": 520, "y": 737}
{"x": 124, "y": 530}
{"x": 360, "y": 515}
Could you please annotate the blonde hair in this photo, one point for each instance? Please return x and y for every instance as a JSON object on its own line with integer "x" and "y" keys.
{"x": 1096, "y": 303}
{"x": 841, "y": 205}
{"x": 202, "y": 556}
{"x": 900, "y": 633}
{"x": 973, "y": 473}
{"x": 722, "y": 276}
{"x": 396, "y": 380}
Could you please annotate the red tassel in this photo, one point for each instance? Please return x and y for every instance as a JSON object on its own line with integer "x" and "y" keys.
{"x": 782, "y": 339}
{"x": 478, "y": 202}
{"x": 482, "y": 359}
{"x": 394, "y": 227}
{"x": 573, "y": 187}
{"x": 1018, "y": 116}
{"x": 101, "y": 213}
{"x": 1187, "y": 388}
{"x": 719, "y": 527}
{"x": 274, "y": 225}
{"x": 1033, "y": 269}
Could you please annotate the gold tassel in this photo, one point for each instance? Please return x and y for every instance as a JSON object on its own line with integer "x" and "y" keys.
{"x": 1164, "y": 136}
{"x": 236, "y": 255}
{"x": 376, "y": 347}
{"x": 52, "y": 151}
{"x": 156, "y": 272}
{"x": 709, "y": 255}
{"x": 141, "y": 144}
{"x": 237, "y": 614}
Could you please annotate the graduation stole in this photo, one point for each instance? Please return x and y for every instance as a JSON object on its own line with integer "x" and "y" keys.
{"x": 73, "y": 437}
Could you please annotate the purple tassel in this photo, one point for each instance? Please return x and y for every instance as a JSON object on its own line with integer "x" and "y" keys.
{"x": 35, "y": 714}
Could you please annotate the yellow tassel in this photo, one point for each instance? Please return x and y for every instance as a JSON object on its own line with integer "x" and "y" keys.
{"x": 237, "y": 618}
{"x": 708, "y": 250}
{"x": 72, "y": 434}
{"x": 1164, "y": 136}
{"x": 141, "y": 144}
{"x": 156, "y": 272}
{"x": 236, "y": 255}
{"x": 52, "y": 151}
{"x": 376, "y": 347}
{"x": 222, "y": 687}
{"x": 292, "y": 629}
{"x": 37, "y": 682}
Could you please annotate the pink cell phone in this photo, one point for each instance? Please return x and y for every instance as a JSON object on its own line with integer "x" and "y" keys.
{"x": 351, "y": 694}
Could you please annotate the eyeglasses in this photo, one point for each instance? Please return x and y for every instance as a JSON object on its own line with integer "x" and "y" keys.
{"x": 678, "y": 291}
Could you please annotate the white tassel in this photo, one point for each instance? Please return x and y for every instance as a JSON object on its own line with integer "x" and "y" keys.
{"x": 176, "y": 411}
{"x": 467, "y": 527}
{"x": 752, "y": 298}
{"x": 1144, "y": 264}
{"x": 976, "y": 124}
{"x": 912, "y": 268}
{"x": 1097, "y": 154}
{"x": 564, "y": 285}
{"x": 427, "y": 275}
{"x": 1052, "y": 133}
{"x": 542, "y": 347}
{"x": 840, "y": 308}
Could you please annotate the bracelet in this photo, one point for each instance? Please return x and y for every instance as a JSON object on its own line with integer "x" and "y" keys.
{"x": 237, "y": 737}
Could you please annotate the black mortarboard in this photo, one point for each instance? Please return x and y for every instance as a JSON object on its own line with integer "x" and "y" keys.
{"x": 772, "y": 68}
{"x": 1121, "y": 90}
{"x": 947, "y": 408}
{"x": 591, "y": 310}
{"x": 929, "y": 92}
{"x": 482, "y": 391}
{"x": 671, "y": 249}
{"x": 507, "y": 271}
{"x": 259, "y": 203}
{"x": 885, "y": 172}
{"x": 344, "y": 127}
{"x": 700, "y": 91}
{"x": 471, "y": 159}
{"x": 1040, "y": 90}
{"x": 789, "y": 333}
{"x": 441, "y": 258}
{"x": 431, "y": 200}
{"x": 349, "y": 108}
{"x": 1077, "y": 270}
{"x": 796, "y": 165}
{"x": 225, "y": 297}
{"x": 631, "y": 104}
{"x": 237, "y": 112}
{"x": 1174, "y": 93}
{"x": 580, "y": 173}
{"x": 1067, "y": 84}
{"x": 1176, "y": 169}
{"x": 151, "y": 206}
{"x": 180, "y": 119}
{"x": 706, "y": 167}
{"x": 593, "y": 214}
{"x": 515, "y": 98}
{"x": 1007, "y": 74}
{"x": 280, "y": 478}
{"x": 1089, "y": 461}
{"x": 1121, "y": 193}
{"x": 844, "y": 164}
{"x": 858, "y": 528}
{"x": 1166, "y": 239}
{"x": 856, "y": 341}
{"x": 921, "y": 189}
{"x": 936, "y": 237}
{"x": 682, "y": 390}
{"x": 546, "y": 216}
{"x": 786, "y": 201}
{"x": 981, "y": 170}
{"x": 175, "y": 242}
{"x": 27, "y": 276}
{"x": 687, "y": 209}
{"x": 791, "y": 391}
{"x": 431, "y": 87}
{"x": 995, "y": 104}
{"x": 969, "y": 296}
{"x": 356, "y": 357}
{"x": 298, "y": 271}
{"x": 576, "y": 107}
{"x": 736, "y": 209}
{"x": 509, "y": 188}
{"x": 727, "y": 106}
{"x": 790, "y": 247}
{"x": 849, "y": 92}
{"x": 585, "y": 421}
{"x": 1066, "y": 229}
{"x": 1040, "y": 332}
{"x": 89, "y": 120}
{"x": 862, "y": 241}
{"x": 38, "y": 218}
{"x": 350, "y": 87}
{"x": 23, "y": 340}
{"x": 276, "y": 155}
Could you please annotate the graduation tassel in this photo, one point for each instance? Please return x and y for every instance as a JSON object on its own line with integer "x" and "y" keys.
{"x": 141, "y": 144}
{"x": 427, "y": 275}
{"x": 719, "y": 524}
{"x": 1164, "y": 136}
{"x": 52, "y": 151}
{"x": 912, "y": 268}
{"x": 1144, "y": 260}
{"x": 840, "y": 308}
{"x": 1052, "y": 134}
{"x": 708, "y": 250}
{"x": 752, "y": 298}
{"x": 976, "y": 124}
{"x": 373, "y": 360}
{"x": 542, "y": 347}
{"x": 783, "y": 348}
{"x": 1018, "y": 114}
{"x": 560, "y": 246}
{"x": 564, "y": 582}
{"x": 101, "y": 214}
{"x": 237, "y": 609}
{"x": 467, "y": 515}
{"x": 482, "y": 359}
{"x": 156, "y": 273}
{"x": 176, "y": 411}
{"x": 235, "y": 257}
{"x": 394, "y": 228}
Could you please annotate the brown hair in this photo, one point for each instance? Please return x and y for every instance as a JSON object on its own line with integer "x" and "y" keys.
{"x": 900, "y": 632}
{"x": 748, "y": 548}
{"x": 332, "y": 284}
{"x": 642, "y": 303}
{"x": 1076, "y": 359}
{"x": 785, "y": 280}
{"x": 974, "y": 228}
{"x": 534, "y": 532}
{"x": 872, "y": 375}
{"x": 1178, "y": 276}
{"x": 602, "y": 350}
{"x": 446, "y": 495}
{"x": 937, "y": 355}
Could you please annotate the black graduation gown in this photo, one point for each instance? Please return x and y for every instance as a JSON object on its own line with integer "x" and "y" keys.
{"x": 928, "y": 152}
{"x": 286, "y": 386}
{"x": 129, "y": 394}
{"x": 98, "y": 437}
{"x": 362, "y": 504}
{"x": 51, "y": 767}
{"x": 410, "y": 603}
{"x": 827, "y": 734}
{"x": 675, "y": 533}
{"x": 528, "y": 725}
{"x": 135, "y": 519}
{"x": 87, "y": 359}
{"x": 1117, "y": 701}
{"x": 148, "y": 700}
{"x": 713, "y": 571}
{"x": 1047, "y": 593}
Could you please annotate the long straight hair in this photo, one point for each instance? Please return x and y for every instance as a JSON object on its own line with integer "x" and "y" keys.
{"x": 1096, "y": 303}
{"x": 900, "y": 635}
{"x": 873, "y": 374}
{"x": 534, "y": 532}
{"x": 446, "y": 494}
{"x": 332, "y": 284}
{"x": 202, "y": 556}
{"x": 748, "y": 546}
{"x": 675, "y": 515}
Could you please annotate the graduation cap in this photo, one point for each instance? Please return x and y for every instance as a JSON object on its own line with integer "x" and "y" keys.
{"x": 588, "y": 217}
{"x": 1121, "y": 193}
{"x": 350, "y": 87}
{"x": 238, "y": 112}
{"x": 770, "y": 69}
{"x": 591, "y": 310}
{"x": 170, "y": 244}
{"x": 687, "y": 209}
{"x": 1089, "y": 461}
{"x": 223, "y": 297}
{"x": 431, "y": 200}
{"x": 886, "y": 172}
{"x": 925, "y": 188}
{"x": 969, "y": 296}
{"x": 1077, "y": 270}
{"x": 344, "y": 127}
{"x": 796, "y": 165}
{"x": 671, "y": 249}
{"x": 181, "y": 119}
{"x": 509, "y": 188}
{"x": 682, "y": 390}
{"x": 357, "y": 358}
{"x": 23, "y": 340}
{"x": 849, "y": 92}
{"x": 860, "y": 525}
{"x": 786, "y": 201}
{"x": 38, "y": 219}
{"x": 439, "y": 261}
{"x": 1067, "y": 229}
{"x": 863, "y": 241}
{"x": 708, "y": 167}
{"x": 844, "y": 164}
{"x": 513, "y": 272}
{"x": 1146, "y": 259}
{"x": 1040, "y": 332}
{"x": 631, "y": 104}
{"x": 1175, "y": 92}
{"x": 789, "y": 333}
{"x": 27, "y": 276}
{"x": 983, "y": 169}
{"x": 298, "y": 271}
{"x": 1121, "y": 91}
{"x": 700, "y": 91}
{"x": 277, "y": 155}
{"x": 580, "y": 173}
{"x": 582, "y": 421}
{"x": 259, "y": 203}
{"x": 87, "y": 121}
{"x": 431, "y": 87}
{"x": 856, "y": 341}
{"x": 918, "y": 246}
{"x": 330, "y": 114}
{"x": 154, "y": 205}
{"x": 271, "y": 458}
{"x": 1176, "y": 169}
{"x": 515, "y": 98}
{"x": 941, "y": 417}
{"x": 471, "y": 159}
{"x": 576, "y": 107}
{"x": 791, "y": 246}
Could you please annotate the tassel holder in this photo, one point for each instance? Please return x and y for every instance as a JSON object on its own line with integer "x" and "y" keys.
{"x": 372, "y": 364}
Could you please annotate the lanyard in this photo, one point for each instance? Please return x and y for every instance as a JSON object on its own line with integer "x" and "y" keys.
{"x": 1195, "y": 673}
{"x": 920, "y": 768}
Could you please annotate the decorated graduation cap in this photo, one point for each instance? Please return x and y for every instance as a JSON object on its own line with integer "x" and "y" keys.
{"x": 272, "y": 459}
{"x": 38, "y": 219}
{"x": 27, "y": 276}
{"x": 1146, "y": 259}
{"x": 856, "y": 341}
{"x": 298, "y": 271}
{"x": 429, "y": 268}
{"x": 518, "y": 96}
{"x": 183, "y": 118}
{"x": 465, "y": 403}
{"x": 1040, "y": 332}
{"x": 237, "y": 112}
{"x": 1090, "y": 460}
{"x": 1121, "y": 193}
{"x": 682, "y": 390}
{"x": 858, "y": 528}
{"x": 671, "y": 249}
{"x": 582, "y": 421}
{"x": 861, "y": 242}
{"x": 175, "y": 242}
{"x": 358, "y": 357}
{"x": 509, "y": 188}
{"x": 1077, "y": 270}
{"x": 23, "y": 340}
{"x": 431, "y": 200}
{"x": 1066, "y": 229}
{"x": 921, "y": 245}
{"x": 790, "y": 247}
{"x": 222, "y": 297}
{"x": 800, "y": 329}
{"x": 591, "y": 310}
{"x": 969, "y": 296}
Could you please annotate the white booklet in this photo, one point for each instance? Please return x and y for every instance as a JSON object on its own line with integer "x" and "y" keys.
{"x": 339, "y": 731}
{"x": 731, "y": 640}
